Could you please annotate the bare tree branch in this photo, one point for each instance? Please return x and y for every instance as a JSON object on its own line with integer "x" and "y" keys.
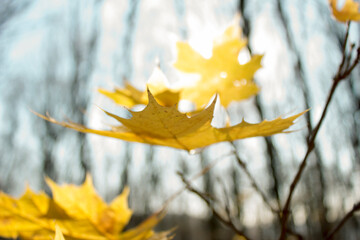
{"x": 340, "y": 75}
{"x": 196, "y": 176}
{"x": 343, "y": 221}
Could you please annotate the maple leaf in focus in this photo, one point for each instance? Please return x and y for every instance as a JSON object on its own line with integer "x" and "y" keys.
{"x": 349, "y": 11}
{"x": 222, "y": 73}
{"x": 130, "y": 96}
{"x": 76, "y": 212}
{"x": 166, "y": 126}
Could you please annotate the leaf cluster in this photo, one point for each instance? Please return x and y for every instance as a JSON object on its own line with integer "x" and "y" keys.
{"x": 75, "y": 211}
{"x": 161, "y": 123}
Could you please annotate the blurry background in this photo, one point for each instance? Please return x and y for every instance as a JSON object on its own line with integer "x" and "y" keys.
{"x": 55, "y": 54}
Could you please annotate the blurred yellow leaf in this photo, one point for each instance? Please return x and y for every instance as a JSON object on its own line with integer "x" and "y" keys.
{"x": 130, "y": 96}
{"x": 238, "y": 237}
{"x": 76, "y": 212}
{"x": 222, "y": 73}
{"x": 19, "y": 217}
{"x": 349, "y": 11}
{"x": 160, "y": 125}
{"x": 83, "y": 203}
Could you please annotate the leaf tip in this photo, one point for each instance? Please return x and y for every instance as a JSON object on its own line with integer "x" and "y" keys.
{"x": 88, "y": 180}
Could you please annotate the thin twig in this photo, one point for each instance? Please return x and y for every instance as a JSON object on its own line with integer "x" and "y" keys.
{"x": 227, "y": 201}
{"x": 263, "y": 196}
{"x": 228, "y": 222}
{"x": 340, "y": 75}
{"x": 353, "y": 65}
{"x": 343, "y": 50}
{"x": 260, "y": 192}
{"x": 343, "y": 221}
{"x": 196, "y": 176}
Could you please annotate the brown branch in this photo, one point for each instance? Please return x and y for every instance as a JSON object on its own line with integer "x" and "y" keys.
{"x": 343, "y": 221}
{"x": 340, "y": 75}
{"x": 196, "y": 176}
{"x": 259, "y": 191}
{"x": 352, "y": 66}
{"x": 227, "y": 221}
{"x": 344, "y": 48}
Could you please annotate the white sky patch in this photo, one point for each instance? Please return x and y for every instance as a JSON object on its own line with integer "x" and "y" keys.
{"x": 244, "y": 56}
{"x": 345, "y": 161}
{"x": 251, "y": 213}
{"x": 299, "y": 215}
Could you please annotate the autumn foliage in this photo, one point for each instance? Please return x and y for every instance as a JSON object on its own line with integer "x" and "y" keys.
{"x": 348, "y": 12}
{"x": 77, "y": 212}
{"x": 161, "y": 123}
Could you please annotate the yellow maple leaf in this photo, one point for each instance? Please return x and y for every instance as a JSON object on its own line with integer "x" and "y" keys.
{"x": 130, "y": 96}
{"x": 349, "y": 11}
{"x": 84, "y": 203}
{"x": 76, "y": 212}
{"x": 222, "y": 73}
{"x": 24, "y": 214}
{"x": 160, "y": 125}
